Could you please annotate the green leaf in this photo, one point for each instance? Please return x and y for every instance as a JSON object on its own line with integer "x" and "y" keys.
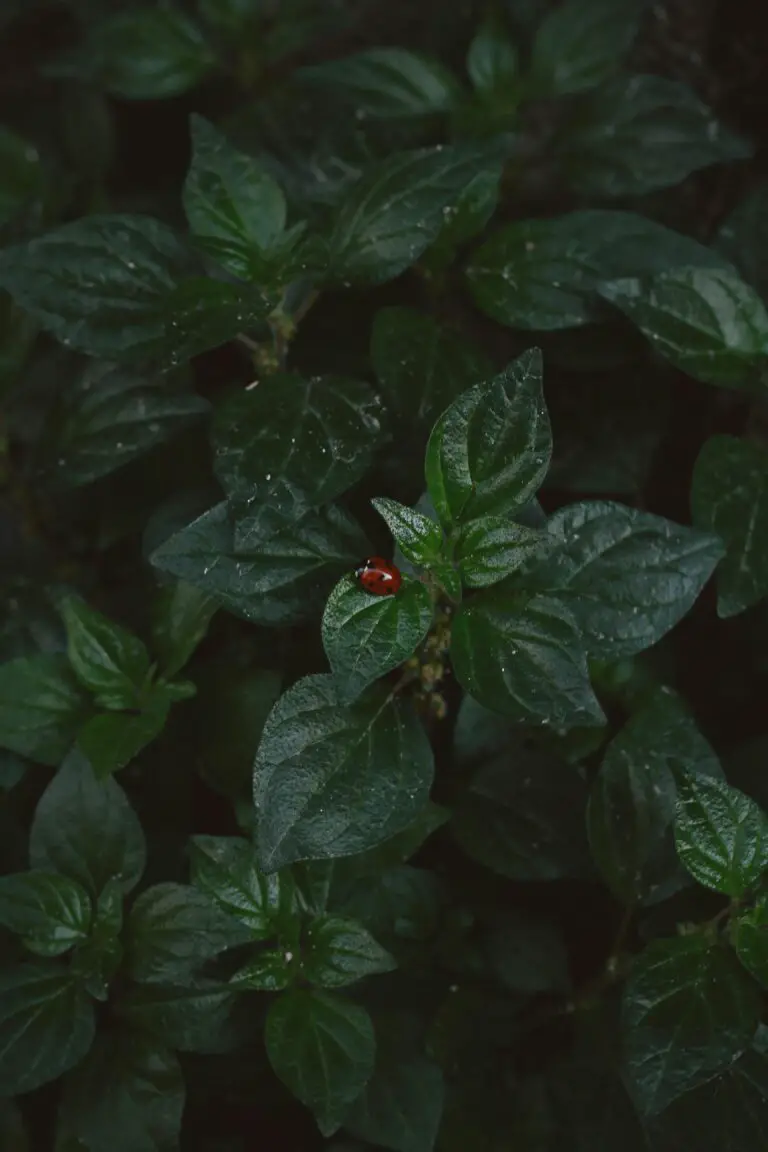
{"x": 226, "y": 869}
{"x": 633, "y": 799}
{"x": 97, "y": 960}
{"x": 465, "y": 220}
{"x": 145, "y": 54}
{"x": 707, "y": 322}
{"x": 22, "y": 183}
{"x": 627, "y": 576}
{"x": 401, "y": 903}
{"x": 729, "y": 496}
{"x": 111, "y": 740}
{"x": 637, "y": 134}
{"x": 523, "y": 817}
{"x": 490, "y": 451}
{"x": 332, "y": 781}
{"x": 338, "y": 951}
{"x": 422, "y": 366}
{"x": 389, "y": 83}
{"x": 543, "y": 274}
{"x": 181, "y": 616}
{"x": 272, "y": 970}
{"x": 125, "y": 288}
{"x": 397, "y": 208}
{"x": 236, "y": 210}
{"x": 197, "y": 1018}
{"x": 46, "y": 1025}
{"x": 51, "y": 911}
{"x": 237, "y": 701}
{"x": 111, "y": 416}
{"x": 402, "y": 1104}
{"x": 522, "y": 655}
{"x": 107, "y": 659}
{"x": 127, "y": 1096}
{"x": 323, "y": 1048}
{"x": 172, "y": 930}
{"x": 743, "y": 239}
{"x": 688, "y": 1012}
{"x": 86, "y": 829}
{"x": 580, "y": 44}
{"x": 367, "y": 636}
{"x": 492, "y": 62}
{"x": 492, "y": 547}
{"x": 749, "y": 936}
{"x": 418, "y": 537}
{"x": 721, "y": 835}
{"x": 41, "y": 707}
{"x": 315, "y": 437}
{"x": 279, "y": 573}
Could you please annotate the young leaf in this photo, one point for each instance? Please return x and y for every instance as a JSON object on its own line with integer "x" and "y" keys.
{"x": 87, "y": 829}
{"x": 272, "y": 970}
{"x": 492, "y": 62}
{"x": 581, "y": 43}
{"x": 367, "y": 636}
{"x": 418, "y": 537}
{"x": 97, "y": 960}
{"x": 721, "y": 835}
{"x": 688, "y": 1012}
{"x": 107, "y": 659}
{"x": 544, "y": 274}
{"x": 226, "y": 869}
{"x": 126, "y": 1096}
{"x": 181, "y": 616}
{"x": 749, "y": 936}
{"x": 41, "y": 707}
{"x": 422, "y": 366}
{"x": 523, "y": 656}
{"x": 235, "y": 209}
{"x": 316, "y": 436}
{"x": 705, "y": 321}
{"x": 276, "y": 576}
{"x": 51, "y": 911}
{"x": 389, "y": 82}
{"x": 338, "y": 952}
{"x": 125, "y": 288}
{"x": 111, "y": 416}
{"x": 323, "y": 1048}
{"x": 627, "y": 576}
{"x": 111, "y": 740}
{"x": 490, "y": 451}
{"x": 729, "y": 496}
{"x": 492, "y": 547}
{"x": 397, "y": 208}
{"x": 637, "y": 134}
{"x": 633, "y": 799}
{"x": 46, "y": 1025}
{"x": 332, "y": 781}
{"x": 172, "y": 930}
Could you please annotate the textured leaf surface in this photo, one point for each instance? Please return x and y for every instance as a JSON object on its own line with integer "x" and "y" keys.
{"x": 53, "y": 911}
{"x": 226, "y": 869}
{"x": 721, "y": 835}
{"x": 389, "y": 82}
{"x": 108, "y": 660}
{"x": 340, "y": 951}
{"x": 41, "y": 706}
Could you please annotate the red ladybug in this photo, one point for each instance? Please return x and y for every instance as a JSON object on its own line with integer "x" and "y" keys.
{"x": 379, "y": 577}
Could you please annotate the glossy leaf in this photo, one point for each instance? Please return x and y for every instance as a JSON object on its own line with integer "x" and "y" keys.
{"x": 41, "y": 706}
{"x": 332, "y": 781}
{"x": 97, "y": 960}
{"x": 272, "y": 970}
{"x": 111, "y": 740}
{"x": 489, "y": 452}
{"x": 181, "y": 617}
{"x": 544, "y": 273}
{"x": 226, "y": 869}
{"x": 688, "y": 1013}
{"x": 46, "y": 1025}
{"x": 492, "y": 547}
{"x": 492, "y": 61}
{"x": 51, "y": 911}
{"x": 729, "y": 496}
{"x": 323, "y": 1048}
{"x": 523, "y": 656}
{"x": 366, "y": 636}
{"x": 633, "y": 799}
{"x": 338, "y": 952}
{"x": 172, "y": 930}
{"x": 127, "y": 1096}
{"x": 421, "y": 365}
{"x": 86, "y": 829}
{"x": 389, "y": 82}
{"x": 721, "y": 835}
{"x": 417, "y": 536}
{"x": 581, "y": 43}
{"x": 281, "y": 572}
{"x": 627, "y": 576}
{"x": 107, "y": 659}
{"x": 637, "y": 134}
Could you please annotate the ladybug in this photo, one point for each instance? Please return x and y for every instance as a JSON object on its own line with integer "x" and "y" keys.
{"x": 379, "y": 577}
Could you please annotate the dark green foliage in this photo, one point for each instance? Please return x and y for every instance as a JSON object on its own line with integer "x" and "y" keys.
{"x": 295, "y": 862}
